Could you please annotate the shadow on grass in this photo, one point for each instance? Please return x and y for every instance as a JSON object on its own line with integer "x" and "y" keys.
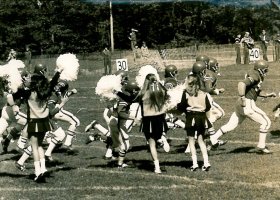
{"x": 275, "y": 133}
{"x": 66, "y": 151}
{"x": 139, "y": 148}
{"x": 12, "y": 175}
{"x": 243, "y": 150}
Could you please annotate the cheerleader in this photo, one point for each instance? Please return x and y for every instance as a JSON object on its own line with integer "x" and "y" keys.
{"x": 152, "y": 98}
{"x": 195, "y": 104}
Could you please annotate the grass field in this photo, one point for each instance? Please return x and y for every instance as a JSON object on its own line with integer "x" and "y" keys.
{"x": 237, "y": 171}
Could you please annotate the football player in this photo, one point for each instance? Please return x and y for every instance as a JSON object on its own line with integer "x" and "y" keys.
{"x": 61, "y": 91}
{"x": 11, "y": 113}
{"x": 170, "y": 81}
{"x": 103, "y": 132}
{"x": 249, "y": 90}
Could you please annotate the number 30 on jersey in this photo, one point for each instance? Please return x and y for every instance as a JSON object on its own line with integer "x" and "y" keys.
{"x": 254, "y": 54}
{"x": 122, "y": 64}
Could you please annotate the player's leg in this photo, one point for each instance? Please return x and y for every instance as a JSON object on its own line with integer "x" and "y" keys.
{"x": 261, "y": 117}
{"x": 233, "y": 122}
{"x": 74, "y": 122}
{"x": 124, "y": 146}
{"x": 59, "y": 136}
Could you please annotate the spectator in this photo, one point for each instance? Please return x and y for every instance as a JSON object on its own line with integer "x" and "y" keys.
{"x": 145, "y": 51}
{"x": 264, "y": 43}
{"x": 277, "y": 47}
{"x": 237, "y": 48}
{"x": 132, "y": 38}
{"x": 136, "y": 53}
{"x": 28, "y": 55}
{"x": 248, "y": 44}
{"x": 107, "y": 61}
{"x": 12, "y": 55}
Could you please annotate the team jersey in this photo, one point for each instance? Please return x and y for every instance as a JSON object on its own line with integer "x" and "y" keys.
{"x": 210, "y": 82}
{"x": 199, "y": 103}
{"x": 170, "y": 83}
{"x": 253, "y": 81}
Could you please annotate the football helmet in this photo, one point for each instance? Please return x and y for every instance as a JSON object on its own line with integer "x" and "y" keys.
{"x": 203, "y": 58}
{"x": 132, "y": 87}
{"x": 213, "y": 65}
{"x": 40, "y": 69}
{"x": 170, "y": 71}
{"x": 262, "y": 67}
{"x": 124, "y": 76}
{"x": 199, "y": 68}
{"x": 61, "y": 87}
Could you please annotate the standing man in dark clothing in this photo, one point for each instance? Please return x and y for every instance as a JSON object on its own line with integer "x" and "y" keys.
{"x": 237, "y": 48}
{"x": 133, "y": 39}
{"x": 248, "y": 44}
{"x": 107, "y": 61}
{"x": 264, "y": 43}
{"x": 277, "y": 47}
{"x": 28, "y": 56}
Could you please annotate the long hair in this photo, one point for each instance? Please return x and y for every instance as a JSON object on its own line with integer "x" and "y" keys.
{"x": 192, "y": 84}
{"x": 40, "y": 85}
{"x": 156, "y": 92}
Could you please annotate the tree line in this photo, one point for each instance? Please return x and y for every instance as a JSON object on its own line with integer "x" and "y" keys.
{"x": 58, "y": 26}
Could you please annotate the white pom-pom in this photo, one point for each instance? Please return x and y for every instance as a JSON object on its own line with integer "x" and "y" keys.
{"x": 175, "y": 95}
{"x": 69, "y": 65}
{"x": 143, "y": 72}
{"x": 16, "y": 63}
{"x": 106, "y": 85}
{"x": 10, "y": 71}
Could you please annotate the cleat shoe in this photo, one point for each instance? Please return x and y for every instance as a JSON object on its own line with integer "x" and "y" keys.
{"x": 39, "y": 178}
{"x": 49, "y": 158}
{"x": 89, "y": 139}
{"x": 205, "y": 168}
{"x": 122, "y": 166}
{"x": 20, "y": 167}
{"x": 194, "y": 168}
{"x": 164, "y": 144}
{"x": 157, "y": 171}
{"x": 218, "y": 144}
{"x": 264, "y": 150}
{"x": 222, "y": 142}
{"x": 90, "y": 126}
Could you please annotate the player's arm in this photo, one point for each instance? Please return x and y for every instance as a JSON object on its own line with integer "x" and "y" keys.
{"x": 122, "y": 111}
{"x": 242, "y": 92}
{"x": 266, "y": 94}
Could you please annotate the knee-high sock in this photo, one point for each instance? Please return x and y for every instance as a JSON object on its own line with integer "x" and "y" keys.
{"x": 51, "y": 147}
{"x": 26, "y": 154}
{"x": 69, "y": 137}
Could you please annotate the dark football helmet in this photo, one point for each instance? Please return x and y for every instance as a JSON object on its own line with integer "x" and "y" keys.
{"x": 262, "y": 67}
{"x": 203, "y": 58}
{"x": 40, "y": 69}
{"x": 124, "y": 76}
{"x": 170, "y": 71}
{"x": 213, "y": 65}
{"x": 132, "y": 87}
{"x": 199, "y": 68}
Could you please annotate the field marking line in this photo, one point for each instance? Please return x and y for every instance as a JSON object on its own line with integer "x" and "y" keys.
{"x": 183, "y": 185}
{"x": 183, "y": 139}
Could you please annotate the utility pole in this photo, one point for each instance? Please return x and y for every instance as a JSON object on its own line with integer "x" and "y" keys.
{"x": 111, "y": 27}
